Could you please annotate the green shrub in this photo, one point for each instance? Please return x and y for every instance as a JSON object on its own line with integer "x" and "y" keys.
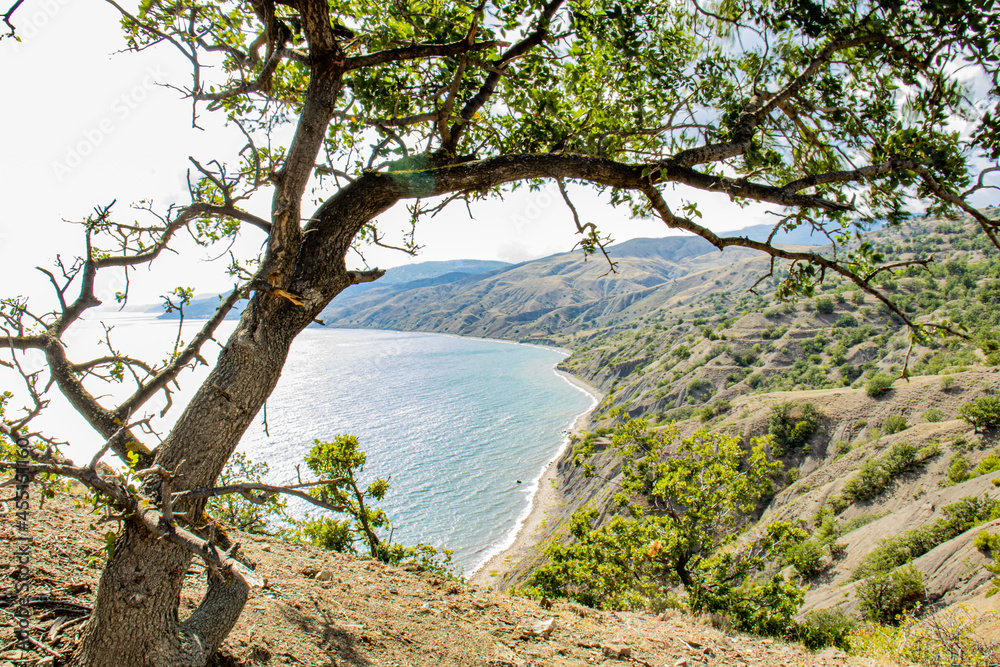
{"x": 894, "y": 424}
{"x": 342, "y": 461}
{"x": 790, "y": 425}
{"x": 878, "y": 385}
{"x": 846, "y": 321}
{"x": 824, "y": 305}
{"x": 958, "y": 470}
{"x": 8, "y": 450}
{"x": 886, "y": 597}
{"x": 826, "y": 627}
{"x": 990, "y": 463}
{"x": 626, "y": 562}
{"x": 933, "y": 416}
{"x": 849, "y": 371}
{"x": 947, "y": 638}
{"x": 241, "y": 513}
{"x": 806, "y": 557}
{"x": 929, "y": 451}
{"x": 982, "y": 413}
{"x": 892, "y": 552}
{"x": 947, "y": 382}
{"x": 987, "y": 542}
{"x": 876, "y": 474}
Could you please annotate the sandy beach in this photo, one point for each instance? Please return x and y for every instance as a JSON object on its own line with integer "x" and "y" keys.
{"x": 547, "y": 497}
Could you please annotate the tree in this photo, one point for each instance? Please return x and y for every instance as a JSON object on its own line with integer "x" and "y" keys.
{"x": 887, "y": 596}
{"x": 838, "y": 114}
{"x": 685, "y": 500}
{"x": 340, "y": 462}
{"x": 249, "y": 513}
{"x": 981, "y": 413}
{"x": 878, "y": 385}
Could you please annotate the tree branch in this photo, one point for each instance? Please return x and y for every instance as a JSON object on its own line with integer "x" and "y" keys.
{"x": 145, "y": 392}
{"x": 8, "y": 15}
{"x": 269, "y": 490}
{"x": 676, "y": 222}
{"x": 757, "y": 109}
{"x": 536, "y": 37}
{"x": 418, "y": 51}
{"x": 358, "y": 277}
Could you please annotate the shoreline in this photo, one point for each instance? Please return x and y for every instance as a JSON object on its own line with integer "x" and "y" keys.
{"x": 547, "y": 496}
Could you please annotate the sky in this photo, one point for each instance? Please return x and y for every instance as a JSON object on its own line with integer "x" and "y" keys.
{"x": 85, "y": 125}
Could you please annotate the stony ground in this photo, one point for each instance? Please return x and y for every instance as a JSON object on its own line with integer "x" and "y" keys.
{"x": 320, "y": 609}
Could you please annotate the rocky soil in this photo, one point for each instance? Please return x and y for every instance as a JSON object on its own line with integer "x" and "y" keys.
{"x": 320, "y": 609}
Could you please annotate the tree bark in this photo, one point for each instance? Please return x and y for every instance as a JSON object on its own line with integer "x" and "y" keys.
{"x": 135, "y": 620}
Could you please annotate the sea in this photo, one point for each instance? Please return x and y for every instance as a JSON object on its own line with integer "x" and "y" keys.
{"x": 462, "y": 428}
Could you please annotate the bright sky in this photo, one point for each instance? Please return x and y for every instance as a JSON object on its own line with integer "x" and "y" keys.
{"x": 84, "y": 125}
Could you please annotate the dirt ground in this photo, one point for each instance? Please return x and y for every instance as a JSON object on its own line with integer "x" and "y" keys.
{"x": 321, "y": 609}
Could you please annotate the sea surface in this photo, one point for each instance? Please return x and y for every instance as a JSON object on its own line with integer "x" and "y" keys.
{"x": 461, "y": 427}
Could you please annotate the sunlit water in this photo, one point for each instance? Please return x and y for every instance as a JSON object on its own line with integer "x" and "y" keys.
{"x": 461, "y": 427}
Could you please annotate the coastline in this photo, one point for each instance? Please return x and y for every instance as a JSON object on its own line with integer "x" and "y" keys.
{"x": 547, "y": 496}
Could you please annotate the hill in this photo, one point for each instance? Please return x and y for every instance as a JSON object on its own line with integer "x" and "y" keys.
{"x": 677, "y": 335}
{"x": 319, "y": 609}
{"x": 533, "y": 300}
{"x": 203, "y": 306}
{"x": 704, "y": 352}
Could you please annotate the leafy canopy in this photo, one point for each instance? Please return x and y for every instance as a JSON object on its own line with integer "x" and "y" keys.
{"x": 685, "y": 500}
{"x": 343, "y": 462}
{"x": 854, "y": 103}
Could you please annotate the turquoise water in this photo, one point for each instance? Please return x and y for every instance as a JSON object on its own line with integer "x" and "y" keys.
{"x": 454, "y": 423}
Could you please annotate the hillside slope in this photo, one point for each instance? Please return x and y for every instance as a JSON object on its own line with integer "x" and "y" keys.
{"x": 561, "y": 293}
{"x": 852, "y": 434}
{"x": 322, "y": 609}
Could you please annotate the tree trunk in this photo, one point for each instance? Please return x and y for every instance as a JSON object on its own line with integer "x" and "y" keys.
{"x": 135, "y": 620}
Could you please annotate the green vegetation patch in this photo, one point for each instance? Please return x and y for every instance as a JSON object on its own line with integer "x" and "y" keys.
{"x": 959, "y": 517}
{"x": 876, "y": 474}
{"x": 982, "y": 413}
{"x": 790, "y": 426}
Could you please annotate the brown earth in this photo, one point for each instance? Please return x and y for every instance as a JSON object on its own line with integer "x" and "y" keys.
{"x": 322, "y": 609}
{"x": 953, "y": 572}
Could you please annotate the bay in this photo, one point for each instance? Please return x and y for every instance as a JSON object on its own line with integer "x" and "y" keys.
{"x": 461, "y": 427}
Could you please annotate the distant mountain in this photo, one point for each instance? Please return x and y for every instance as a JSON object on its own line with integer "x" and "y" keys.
{"x": 203, "y": 306}
{"x": 564, "y": 291}
{"x": 426, "y": 270}
{"x": 803, "y": 235}
{"x": 491, "y": 298}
